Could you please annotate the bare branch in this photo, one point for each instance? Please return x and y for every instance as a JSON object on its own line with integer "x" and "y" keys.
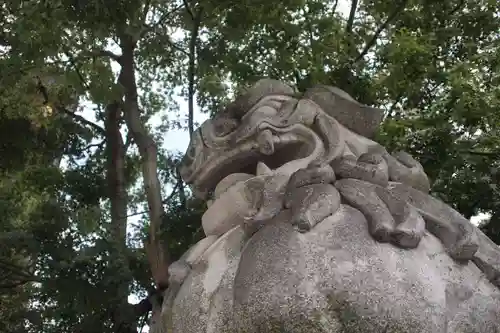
{"x": 457, "y": 8}
{"x": 190, "y": 12}
{"x": 177, "y": 47}
{"x": 161, "y": 20}
{"x": 491, "y": 154}
{"x": 352, "y": 14}
{"x": 334, "y": 7}
{"x": 98, "y": 145}
{"x": 106, "y": 53}
{"x": 388, "y": 115}
{"x": 381, "y": 28}
{"x": 81, "y": 119}
{"x": 83, "y": 82}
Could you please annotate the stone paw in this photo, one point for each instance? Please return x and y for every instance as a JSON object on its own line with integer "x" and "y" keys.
{"x": 311, "y": 204}
{"x": 410, "y": 231}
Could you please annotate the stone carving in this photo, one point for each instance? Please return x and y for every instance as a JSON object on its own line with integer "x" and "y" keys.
{"x": 313, "y": 227}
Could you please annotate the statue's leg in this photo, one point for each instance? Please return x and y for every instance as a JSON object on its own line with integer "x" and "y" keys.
{"x": 362, "y": 196}
{"x": 456, "y": 233}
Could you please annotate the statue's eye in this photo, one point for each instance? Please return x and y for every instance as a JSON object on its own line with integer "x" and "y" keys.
{"x": 192, "y": 151}
{"x": 224, "y": 126}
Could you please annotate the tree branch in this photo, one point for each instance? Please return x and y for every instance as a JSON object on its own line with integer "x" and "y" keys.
{"x": 334, "y": 7}
{"x": 142, "y": 308}
{"x": 177, "y": 47}
{"x": 98, "y": 53}
{"x": 163, "y": 18}
{"x": 128, "y": 140}
{"x": 182, "y": 192}
{"x": 352, "y": 14}
{"x": 190, "y": 12}
{"x": 60, "y": 108}
{"x": 11, "y": 285}
{"x": 99, "y": 145}
{"x": 83, "y": 82}
{"x": 21, "y": 274}
{"x": 81, "y": 119}
{"x": 4, "y": 41}
{"x": 192, "y": 67}
{"x": 491, "y": 154}
{"x": 381, "y": 28}
{"x": 388, "y": 115}
{"x": 117, "y": 195}
{"x": 456, "y": 8}
{"x": 106, "y": 53}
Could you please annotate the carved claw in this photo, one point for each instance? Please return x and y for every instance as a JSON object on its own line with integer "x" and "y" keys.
{"x": 390, "y": 219}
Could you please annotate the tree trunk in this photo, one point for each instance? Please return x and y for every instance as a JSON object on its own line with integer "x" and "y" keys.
{"x": 156, "y": 251}
{"x": 117, "y": 193}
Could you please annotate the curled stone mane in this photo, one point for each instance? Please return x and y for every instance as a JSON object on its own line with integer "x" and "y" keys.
{"x": 300, "y": 199}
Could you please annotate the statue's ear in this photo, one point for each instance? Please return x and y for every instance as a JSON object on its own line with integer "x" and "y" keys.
{"x": 359, "y": 118}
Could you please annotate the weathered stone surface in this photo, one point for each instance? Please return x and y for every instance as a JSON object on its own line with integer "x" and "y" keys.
{"x": 313, "y": 227}
{"x": 336, "y": 278}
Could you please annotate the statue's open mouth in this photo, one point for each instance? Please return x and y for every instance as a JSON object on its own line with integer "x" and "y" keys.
{"x": 274, "y": 148}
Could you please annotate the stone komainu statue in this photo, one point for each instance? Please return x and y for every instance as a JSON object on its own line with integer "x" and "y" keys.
{"x": 313, "y": 227}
